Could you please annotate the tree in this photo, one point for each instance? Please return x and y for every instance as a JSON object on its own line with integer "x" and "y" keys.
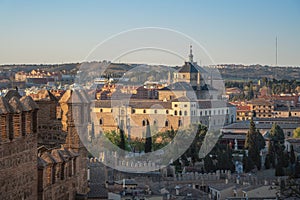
{"x": 296, "y": 133}
{"x": 148, "y": 143}
{"x": 254, "y": 143}
{"x": 193, "y": 150}
{"x": 271, "y": 154}
{"x": 248, "y": 164}
{"x": 279, "y": 168}
{"x": 277, "y": 140}
{"x": 121, "y": 144}
{"x": 267, "y": 162}
{"x": 292, "y": 155}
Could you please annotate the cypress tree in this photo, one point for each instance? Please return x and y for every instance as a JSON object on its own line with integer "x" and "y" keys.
{"x": 148, "y": 143}
{"x": 271, "y": 154}
{"x": 292, "y": 155}
{"x": 254, "y": 143}
{"x": 267, "y": 162}
{"x": 277, "y": 140}
{"x": 121, "y": 144}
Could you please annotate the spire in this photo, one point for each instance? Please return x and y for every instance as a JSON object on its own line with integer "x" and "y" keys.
{"x": 191, "y": 54}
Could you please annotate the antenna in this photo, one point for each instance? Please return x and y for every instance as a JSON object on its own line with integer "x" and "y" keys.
{"x": 276, "y": 52}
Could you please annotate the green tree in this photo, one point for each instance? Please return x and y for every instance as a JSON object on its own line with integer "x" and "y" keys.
{"x": 296, "y": 133}
{"x": 271, "y": 154}
{"x": 208, "y": 164}
{"x": 279, "y": 169}
{"x": 148, "y": 143}
{"x": 267, "y": 162}
{"x": 277, "y": 140}
{"x": 292, "y": 155}
{"x": 193, "y": 150}
{"x": 121, "y": 144}
{"x": 254, "y": 143}
{"x": 248, "y": 164}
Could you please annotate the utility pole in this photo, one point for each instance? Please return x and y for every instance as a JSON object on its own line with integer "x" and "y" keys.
{"x": 276, "y": 52}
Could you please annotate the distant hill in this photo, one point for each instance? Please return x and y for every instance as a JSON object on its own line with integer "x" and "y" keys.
{"x": 255, "y": 72}
{"x": 228, "y": 71}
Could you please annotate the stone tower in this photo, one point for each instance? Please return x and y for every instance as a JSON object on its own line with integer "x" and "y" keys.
{"x": 75, "y": 118}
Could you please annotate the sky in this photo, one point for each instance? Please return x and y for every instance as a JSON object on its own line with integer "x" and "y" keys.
{"x": 231, "y": 31}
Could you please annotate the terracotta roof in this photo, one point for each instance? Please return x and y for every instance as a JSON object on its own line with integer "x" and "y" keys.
{"x": 179, "y": 86}
{"x": 182, "y": 99}
{"x": 5, "y": 107}
{"x": 28, "y": 103}
{"x": 243, "y": 108}
{"x": 267, "y": 126}
{"x": 134, "y": 103}
{"x": 206, "y": 104}
{"x": 16, "y": 105}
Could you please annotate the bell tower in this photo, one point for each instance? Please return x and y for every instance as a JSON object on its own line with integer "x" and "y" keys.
{"x": 191, "y": 54}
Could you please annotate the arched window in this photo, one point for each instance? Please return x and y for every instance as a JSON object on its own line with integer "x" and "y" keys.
{"x": 179, "y": 123}
{"x": 144, "y": 122}
{"x": 154, "y": 122}
{"x": 166, "y": 123}
{"x": 175, "y": 113}
{"x": 180, "y": 113}
{"x": 185, "y": 113}
{"x": 167, "y": 111}
{"x": 101, "y": 121}
{"x": 144, "y": 111}
{"x": 101, "y": 110}
{"x": 155, "y": 111}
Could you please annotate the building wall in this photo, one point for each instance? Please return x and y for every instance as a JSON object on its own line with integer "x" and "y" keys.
{"x": 18, "y": 150}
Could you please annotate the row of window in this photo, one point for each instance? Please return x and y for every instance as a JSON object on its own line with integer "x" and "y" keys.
{"x": 146, "y": 122}
{"x": 205, "y": 113}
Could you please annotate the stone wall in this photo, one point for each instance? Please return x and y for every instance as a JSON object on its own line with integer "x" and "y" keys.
{"x": 18, "y": 150}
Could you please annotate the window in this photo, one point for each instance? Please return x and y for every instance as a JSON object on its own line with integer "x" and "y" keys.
{"x": 180, "y": 113}
{"x": 144, "y": 111}
{"x": 101, "y": 121}
{"x": 200, "y": 113}
{"x": 185, "y": 113}
{"x": 167, "y": 111}
{"x": 155, "y": 111}
{"x": 175, "y": 112}
{"x": 176, "y": 105}
{"x": 111, "y": 110}
{"x": 154, "y": 122}
{"x": 166, "y": 123}
{"x": 133, "y": 111}
{"x": 144, "y": 122}
{"x": 179, "y": 123}
{"x": 101, "y": 110}
{"x": 185, "y": 105}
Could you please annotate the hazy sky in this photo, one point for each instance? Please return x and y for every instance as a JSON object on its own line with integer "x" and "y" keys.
{"x": 231, "y": 31}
